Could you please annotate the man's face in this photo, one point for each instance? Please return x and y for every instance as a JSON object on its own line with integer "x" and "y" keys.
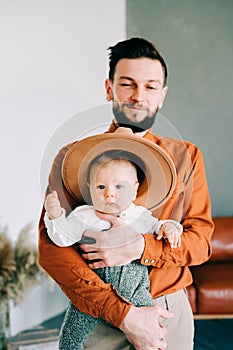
{"x": 113, "y": 186}
{"x": 137, "y": 92}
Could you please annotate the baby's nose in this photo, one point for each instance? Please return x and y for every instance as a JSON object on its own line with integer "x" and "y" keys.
{"x": 110, "y": 193}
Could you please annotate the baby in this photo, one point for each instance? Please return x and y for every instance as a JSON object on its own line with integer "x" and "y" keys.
{"x": 113, "y": 182}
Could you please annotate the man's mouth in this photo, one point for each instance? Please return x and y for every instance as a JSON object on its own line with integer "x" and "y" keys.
{"x": 136, "y": 107}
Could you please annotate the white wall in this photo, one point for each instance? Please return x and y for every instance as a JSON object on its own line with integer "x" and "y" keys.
{"x": 53, "y": 64}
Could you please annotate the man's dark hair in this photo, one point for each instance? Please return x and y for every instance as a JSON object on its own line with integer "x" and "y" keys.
{"x": 134, "y": 48}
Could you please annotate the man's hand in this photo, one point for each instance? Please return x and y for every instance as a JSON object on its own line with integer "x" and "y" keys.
{"x": 142, "y": 327}
{"x": 118, "y": 246}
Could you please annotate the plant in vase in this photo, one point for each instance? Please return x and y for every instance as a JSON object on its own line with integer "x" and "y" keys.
{"x": 19, "y": 272}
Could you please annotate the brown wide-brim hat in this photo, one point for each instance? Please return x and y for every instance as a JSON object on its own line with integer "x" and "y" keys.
{"x": 160, "y": 174}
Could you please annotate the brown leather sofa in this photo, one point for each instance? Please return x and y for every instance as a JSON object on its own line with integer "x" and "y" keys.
{"x": 211, "y": 294}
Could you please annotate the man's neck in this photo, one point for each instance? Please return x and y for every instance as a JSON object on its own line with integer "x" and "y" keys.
{"x": 140, "y": 134}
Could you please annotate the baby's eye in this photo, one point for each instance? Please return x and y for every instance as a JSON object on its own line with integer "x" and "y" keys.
{"x": 101, "y": 187}
{"x": 118, "y": 187}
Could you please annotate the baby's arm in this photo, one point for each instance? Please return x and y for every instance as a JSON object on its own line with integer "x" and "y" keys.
{"x": 52, "y": 206}
{"x": 61, "y": 230}
{"x": 172, "y": 231}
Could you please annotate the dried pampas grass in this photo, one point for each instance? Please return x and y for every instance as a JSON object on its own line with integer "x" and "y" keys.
{"x": 19, "y": 269}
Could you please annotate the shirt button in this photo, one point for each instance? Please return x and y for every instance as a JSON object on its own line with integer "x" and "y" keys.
{"x": 152, "y": 261}
{"x": 123, "y": 214}
{"x": 146, "y": 261}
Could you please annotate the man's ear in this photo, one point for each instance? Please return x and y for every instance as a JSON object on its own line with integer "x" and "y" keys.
{"x": 108, "y": 89}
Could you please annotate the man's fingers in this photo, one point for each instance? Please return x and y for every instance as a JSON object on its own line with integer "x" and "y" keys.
{"x": 163, "y": 312}
{"x": 97, "y": 265}
{"x": 87, "y": 240}
{"x": 162, "y": 344}
{"x": 163, "y": 331}
{"x": 90, "y": 256}
{"x": 113, "y": 238}
{"x": 115, "y": 221}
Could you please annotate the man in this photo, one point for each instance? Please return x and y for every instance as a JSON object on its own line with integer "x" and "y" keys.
{"x": 137, "y": 88}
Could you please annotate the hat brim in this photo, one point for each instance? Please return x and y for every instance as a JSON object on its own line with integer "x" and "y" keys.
{"x": 160, "y": 177}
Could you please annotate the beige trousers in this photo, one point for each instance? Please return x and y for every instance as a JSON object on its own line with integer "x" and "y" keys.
{"x": 180, "y": 329}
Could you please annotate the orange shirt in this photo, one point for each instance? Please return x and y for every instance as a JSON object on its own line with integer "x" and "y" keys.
{"x": 168, "y": 268}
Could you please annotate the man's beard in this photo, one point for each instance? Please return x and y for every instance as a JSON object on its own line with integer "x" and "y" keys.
{"x": 123, "y": 121}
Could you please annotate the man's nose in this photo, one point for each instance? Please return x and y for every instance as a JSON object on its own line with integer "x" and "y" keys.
{"x": 138, "y": 94}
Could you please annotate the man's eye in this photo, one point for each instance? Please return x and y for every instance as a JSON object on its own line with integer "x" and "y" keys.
{"x": 101, "y": 187}
{"x": 118, "y": 187}
{"x": 153, "y": 88}
{"x": 126, "y": 85}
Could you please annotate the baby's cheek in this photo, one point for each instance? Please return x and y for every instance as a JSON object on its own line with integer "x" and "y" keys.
{"x": 125, "y": 198}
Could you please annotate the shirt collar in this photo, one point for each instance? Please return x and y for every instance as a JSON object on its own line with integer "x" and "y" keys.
{"x": 125, "y": 213}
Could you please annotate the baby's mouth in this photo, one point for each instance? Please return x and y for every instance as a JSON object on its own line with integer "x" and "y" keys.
{"x": 112, "y": 204}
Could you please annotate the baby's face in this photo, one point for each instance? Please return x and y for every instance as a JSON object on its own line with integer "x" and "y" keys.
{"x": 113, "y": 186}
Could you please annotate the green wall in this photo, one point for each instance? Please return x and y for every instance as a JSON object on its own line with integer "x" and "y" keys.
{"x": 196, "y": 39}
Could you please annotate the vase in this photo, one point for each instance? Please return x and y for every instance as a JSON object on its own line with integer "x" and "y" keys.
{"x": 4, "y": 324}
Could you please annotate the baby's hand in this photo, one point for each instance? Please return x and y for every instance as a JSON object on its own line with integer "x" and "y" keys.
{"x": 172, "y": 233}
{"x": 52, "y": 205}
